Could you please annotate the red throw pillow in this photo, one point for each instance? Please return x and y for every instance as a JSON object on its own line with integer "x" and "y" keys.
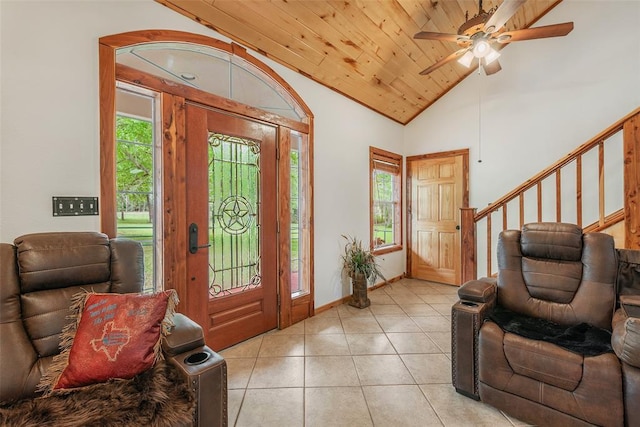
{"x": 114, "y": 336}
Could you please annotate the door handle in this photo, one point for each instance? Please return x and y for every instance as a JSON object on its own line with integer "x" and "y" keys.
{"x": 193, "y": 239}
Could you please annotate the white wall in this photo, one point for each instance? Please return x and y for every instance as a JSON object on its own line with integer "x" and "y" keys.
{"x": 551, "y": 96}
{"x": 49, "y": 137}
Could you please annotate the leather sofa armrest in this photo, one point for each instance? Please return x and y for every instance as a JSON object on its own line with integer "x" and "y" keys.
{"x": 185, "y": 335}
{"x": 625, "y": 338}
{"x": 483, "y": 290}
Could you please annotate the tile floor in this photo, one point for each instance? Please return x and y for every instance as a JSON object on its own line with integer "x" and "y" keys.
{"x": 385, "y": 365}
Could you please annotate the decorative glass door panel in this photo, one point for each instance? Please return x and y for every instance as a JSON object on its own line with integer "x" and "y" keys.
{"x": 234, "y": 221}
{"x": 232, "y": 265}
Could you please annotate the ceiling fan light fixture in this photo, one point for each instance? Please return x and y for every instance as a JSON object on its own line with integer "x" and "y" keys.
{"x": 466, "y": 58}
{"x": 504, "y": 38}
{"x": 481, "y": 48}
{"x": 491, "y": 56}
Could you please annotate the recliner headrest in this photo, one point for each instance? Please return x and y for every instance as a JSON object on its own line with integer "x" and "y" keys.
{"x": 56, "y": 260}
{"x": 551, "y": 240}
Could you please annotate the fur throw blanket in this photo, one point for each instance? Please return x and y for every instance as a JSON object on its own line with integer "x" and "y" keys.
{"x": 158, "y": 397}
{"x": 583, "y": 339}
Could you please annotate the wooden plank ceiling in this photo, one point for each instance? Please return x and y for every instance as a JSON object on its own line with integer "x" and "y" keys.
{"x": 363, "y": 49}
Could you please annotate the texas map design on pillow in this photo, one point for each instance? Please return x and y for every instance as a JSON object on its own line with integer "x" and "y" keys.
{"x": 114, "y": 336}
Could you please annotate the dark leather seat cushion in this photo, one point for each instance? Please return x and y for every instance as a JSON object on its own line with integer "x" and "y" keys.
{"x": 583, "y": 339}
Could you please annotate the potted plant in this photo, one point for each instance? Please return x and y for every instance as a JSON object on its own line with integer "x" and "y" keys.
{"x": 360, "y": 265}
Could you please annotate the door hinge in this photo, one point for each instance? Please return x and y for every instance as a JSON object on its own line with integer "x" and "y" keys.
{"x": 278, "y": 227}
{"x": 277, "y": 153}
{"x": 278, "y": 300}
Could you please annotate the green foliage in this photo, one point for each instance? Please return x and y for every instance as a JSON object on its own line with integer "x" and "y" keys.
{"x": 134, "y": 163}
{"x": 383, "y": 186}
{"x": 357, "y": 260}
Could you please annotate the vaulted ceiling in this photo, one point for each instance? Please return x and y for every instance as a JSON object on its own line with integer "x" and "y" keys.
{"x": 363, "y": 49}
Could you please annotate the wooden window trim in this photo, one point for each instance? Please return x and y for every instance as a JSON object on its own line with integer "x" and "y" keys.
{"x": 389, "y": 162}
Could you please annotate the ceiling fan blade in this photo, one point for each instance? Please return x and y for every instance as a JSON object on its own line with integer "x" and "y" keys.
{"x": 428, "y": 35}
{"x": 506, "y": 10}
{"x": 455, "y": 55}
{"x": 555, "y": 30}
{"x": 492, "y": 68}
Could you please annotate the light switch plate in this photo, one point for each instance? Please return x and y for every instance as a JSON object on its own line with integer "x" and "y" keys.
{"x": 74, "y": 206}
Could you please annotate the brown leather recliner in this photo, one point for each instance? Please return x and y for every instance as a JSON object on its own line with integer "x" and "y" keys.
{"x": 39, "y": 275}
{"x": 536, "y": 342}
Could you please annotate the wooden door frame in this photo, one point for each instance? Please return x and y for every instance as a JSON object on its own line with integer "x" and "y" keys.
{"x": 465, "y": 191}
{"x": 173, "y": 119}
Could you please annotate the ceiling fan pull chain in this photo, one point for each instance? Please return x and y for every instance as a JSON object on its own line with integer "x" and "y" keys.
{"x": 479, "y": 110}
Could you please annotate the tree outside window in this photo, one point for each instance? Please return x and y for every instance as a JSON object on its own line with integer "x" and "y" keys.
{"x": 386, "y": 200}
{"x": 135, "y": 190}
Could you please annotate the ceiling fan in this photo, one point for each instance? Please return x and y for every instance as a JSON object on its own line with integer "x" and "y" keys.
{"x": 477, "y": 36}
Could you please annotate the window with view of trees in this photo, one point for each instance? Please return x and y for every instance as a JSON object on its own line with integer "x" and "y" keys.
{"x": 135, "y": 185}
{"x": 385, "y": 173}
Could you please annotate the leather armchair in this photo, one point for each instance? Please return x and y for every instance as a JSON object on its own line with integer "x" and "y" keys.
{"x": 553, "y": 276}
{"x": 40, "y": 273}
{"x": 626, "y": 332}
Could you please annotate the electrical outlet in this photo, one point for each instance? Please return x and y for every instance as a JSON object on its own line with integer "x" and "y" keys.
{"x": 74, "y": 206}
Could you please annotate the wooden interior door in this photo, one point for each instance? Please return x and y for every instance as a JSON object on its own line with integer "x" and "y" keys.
{"x": 231, "y": 213}
{"x": 437, "y": 192}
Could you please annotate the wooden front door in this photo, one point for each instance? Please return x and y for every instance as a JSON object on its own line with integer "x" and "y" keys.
{"x": 231, "y": 198}
{"x": 437, "y": 186}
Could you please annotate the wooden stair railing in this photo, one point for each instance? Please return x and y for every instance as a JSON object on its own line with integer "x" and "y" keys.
{"x": 629, "y": 212}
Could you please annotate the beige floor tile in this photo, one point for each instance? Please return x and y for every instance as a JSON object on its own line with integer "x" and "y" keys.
{"x": 412, "y": 342}
{"x": 274, "y": 345}
{"x": 360, "y": 344}
{"x": 388, "y": 309}
{"x": 442, "y": 339}
{"x": 426, "y": 290}
{"x": 234, "y": 401}
{"x": 360, "y": 325}
{"x": 249, "y": 348}
{"x": 399, "y": 405}
{"x": 380, "y": 297}
{"x": 382, "y": 370}
{"x": 323, "y": 325}
{"x": 326, "y": 345}
{"x": 323, "y": 368}
{"x": 295, "y": 329}
{"x": 272, "y": 407}
{"x": 420, "y": 309}
{"x": 406, "y": 299}
{"x": 336, "y": 407}
{"x": 449, "y": 290}
{"x": 437, "y": 323}
{"x": 457, "y": 410}
{"x": 444, "y": 309}
{"x": 270, "y": 372}
{"x": 324, "y": 371}
{"x": 440, "y": 299}
{"x": 397, "y": 289}
{"x": 239, "y": 372}
{"x": 397, "y": 324}
{"x": 346, "y": 311}
{"x": 428, "y": 368}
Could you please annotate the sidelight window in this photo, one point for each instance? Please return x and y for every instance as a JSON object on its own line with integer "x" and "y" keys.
{"x": 137, "y": 159}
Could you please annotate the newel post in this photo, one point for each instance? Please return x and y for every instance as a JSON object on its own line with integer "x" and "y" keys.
{"x": 631, "y": 132}
{"x": 468, "y": 240}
